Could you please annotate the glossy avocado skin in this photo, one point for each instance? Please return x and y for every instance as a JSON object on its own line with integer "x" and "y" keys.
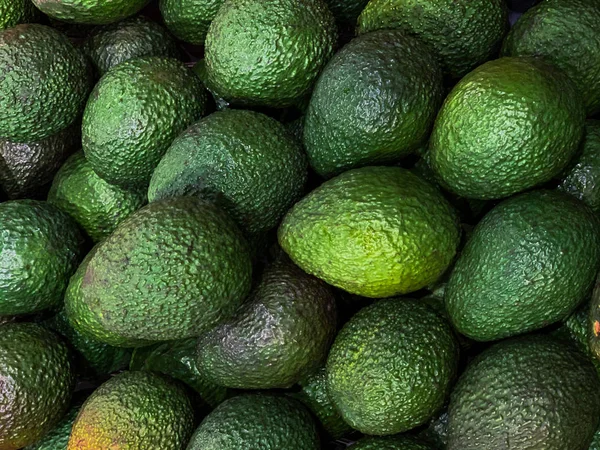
{"x": 257, "y": 421}
{"x": 43, "y": 91}
{"x": 566, "y": 34}
{"x": 511, "y": 124}
{"x": 391, "y": 366}
{"x": 89, "y": 12}
{"x": 522, "y": 268}
{"x": 347, "y": 127}
{"x": 539, "y": 393}
{"x": 14, "y": 12}
{"x": 463, "y": 33}
{"x": 58, "y": 437}
{"x": 391, "y": 443}
{"x": 189, "y": 20}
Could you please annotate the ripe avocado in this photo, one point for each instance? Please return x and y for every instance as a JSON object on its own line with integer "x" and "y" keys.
{"x": 14, "y": 12}
{"x": 89, "y": 12}
{"x": 58, "y": 437}
{"x": 189, "y": 20}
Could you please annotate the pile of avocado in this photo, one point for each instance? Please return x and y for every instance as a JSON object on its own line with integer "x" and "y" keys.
{"x": 300, "y": 225}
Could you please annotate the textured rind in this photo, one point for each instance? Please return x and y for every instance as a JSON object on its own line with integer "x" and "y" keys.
{"x": 98, "y": 207}
{"x": 36, "y": 380}
{"x": 27, "y": 167}
{"x": 522, "y": 268}
{"x": 258, "y": 422}
{"x": 391, "y": 366}
{"x": 43, "y": 90}
{"x": 280, "y": 334}
{"x": 526, "y": 393}
{"x": 511, "y": 124}
{"x": 58, "y": 437}
{"x": 40, "y": 248}
{"x": 375, "y": 101}
{"x": 14, "y": 12}
{"x": 247, "y": 160}
{"x": 171, "y": 270}
{"x": 566, "y": 34}
{"x": 134, "y": 113}
{"x": 189, "y": 20}
{"x": 90, "y": 12}
{"x": 390, "y": 443}
{"x": 134, "y": 411}
{"x": 463, "y": 33}
{"x": 113, "y": 44}
{"x": 374, "y": 231}
{"x": 595, "y": 445}
{"x": 346, "y": 11}
{"x": 275, "y": 61}
{"x": 583, "y": 178}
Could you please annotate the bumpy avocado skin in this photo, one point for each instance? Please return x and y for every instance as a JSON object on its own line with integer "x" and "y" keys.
{"x": 346, "y": 126}
{"x": 463, "y": 33}
{"x": 391, "y": 366}
{"x": 58, "y": 437}
{"x": 511, "y": 124}
{"x": 522, "y": 268}
{"x": 275, "y": 60}
{"x": 37, "y": 383}
{"x": 40, "y": 248}
{"x": 374, "y": 231}
{"x": 44, "y": 80}
{"x": 566, "y": 34}
{"x": 189, "y": 20}
{"x": 14, "y": 12}
{"x": 134, "y": 113}
{"x": 390, "y": 443}
{"x": 257, "y": 422}
{"x": 244, "y": 160}
{"x": 137, "y": 410}
{"x": 98, "y": 207}
{"x": 532, "y": 391}
{"x": 113, "y": 44}
{"x": 89, "y": 12}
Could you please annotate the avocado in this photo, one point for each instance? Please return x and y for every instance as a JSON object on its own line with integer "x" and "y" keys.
{"x": 44, "y": 81}
{"x": 109, "y": 45}
{"x": 278, "y": 336}
{"x": 522, "y": 269}
{"x": 524, "y": 393}
{"x": 98, "y": 207}
{"x": 463, "y": 33}
{"x": 373, "y": 231}
{"x": 40, "y": 248}
{"x": 58, "y": 437}
{"x": 391, "y": 366}
{"x": 14, "y": 12}
{"x": 436, "y": 432}
{"x": 133, "y": 115}
{"x": 246, "y": 161}
{"x": 256, "y": 421}
{"x": 134, "y": 410}
{"x": 37, "y": 383}
{"x": 89, "y": 12}
{"x": 268, "y": 53}
{"x": 189, "y": 20}
{"x": 346, "y": 11}
{"x": 390, "y": 443}
{"x": 521, "y": 121}
{"x": 594, "y": 321}
{"x": 200, "y": 70}
{"x": 566, "y": 34}
{"x": 346, "y": 126}
{"x": 595, "y": 445}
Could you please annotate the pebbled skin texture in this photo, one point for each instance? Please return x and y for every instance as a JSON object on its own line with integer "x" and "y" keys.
{"x": 390, "y": 443}
{"x": 526, "y": 393}
{"x": 566, "y": 34}
{"x": 346, "y": 11}
{"x": 43, "y": 91}
{"x": 522, "y": 269}
{"x": 40, "y": 247}
{"x": 36, "y": 383}
{"x": 582, "y": 180}
{"x": 375, "y": 102}
{"x": 98, "y": 207}
{"x": 595, "y": 445}
{"x": 134, "y": 411}
{"x": 276, "y": 60}
{"x": 189, "y": 20}
{"x": 257, "y": 422}
{"x": 511, "y": 124}
{"x": 26, "y": 167}
{"x": 171, "y": 270}
{"x": 113, "y": 44}
{"x": 58, "y": 437}
{"x": 281, "y": 334}
{"x": 14, "y": 12}
{"x": 463, "y": 33}
{"x": 374, "y": 231}
{"x": 245, "y": 160}
{"x": 89, "y": 12}
{"x": 133, "y": 115}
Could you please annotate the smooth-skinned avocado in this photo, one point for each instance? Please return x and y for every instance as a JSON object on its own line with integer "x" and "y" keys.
{"x": 58, "y": 437}
{"x": 391, "y": 366}
{"x": 509, "y": 125}
{"x": 134, "y": 113}
{"x": 254, "y": 58}
{"x": 44, "y": 80}
{"x": 526, "y": 392}
{"x": 189, "y": 20}
{"x": 14, "y": 12}
{"x": 390, "y": 443}
{"x": 522, "y": 269}
{"x": 373, "y": 231}
{"x": 89, "y": 12}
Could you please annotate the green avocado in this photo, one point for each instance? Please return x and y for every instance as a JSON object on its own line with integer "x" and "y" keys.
{"x": 390, "y": 443}
{"x": 89, "y": 12}
{"x": 58, "y": 437}
{"x": 14, "y": 12}
{"x": 189, "y": 20}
